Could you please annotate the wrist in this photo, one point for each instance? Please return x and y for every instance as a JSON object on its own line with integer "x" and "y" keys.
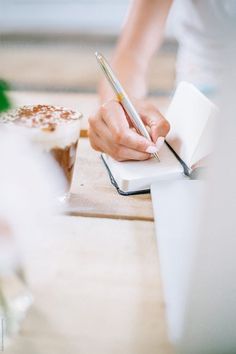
{"x": 131, "y": 75}
{"x": 128, "y": 59}
{"x": 135, "y": 87}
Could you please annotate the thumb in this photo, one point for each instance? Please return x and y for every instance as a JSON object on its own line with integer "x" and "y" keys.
{"x": 159, "y": 126}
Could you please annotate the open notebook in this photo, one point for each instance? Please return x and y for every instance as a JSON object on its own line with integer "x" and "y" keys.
{"x": 191, "y": 116}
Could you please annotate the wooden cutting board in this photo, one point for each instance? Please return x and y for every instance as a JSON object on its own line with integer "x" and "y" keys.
{"x": 97, "y": 197}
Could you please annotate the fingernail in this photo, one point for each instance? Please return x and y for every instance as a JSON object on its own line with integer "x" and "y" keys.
{"x": 159, "y": 143}
{"x": 151, "y": 150}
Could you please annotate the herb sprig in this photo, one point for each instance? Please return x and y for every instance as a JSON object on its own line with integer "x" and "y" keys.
{"x": 5, "y": 102}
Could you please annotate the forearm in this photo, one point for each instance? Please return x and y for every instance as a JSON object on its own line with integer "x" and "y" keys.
{"x": 141, "y": 36}
{"x": 142, "y": 33}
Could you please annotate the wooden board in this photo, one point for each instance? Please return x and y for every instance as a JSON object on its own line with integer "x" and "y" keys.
{"x": 97, "y": 289}
{"x": 97, "y": 197}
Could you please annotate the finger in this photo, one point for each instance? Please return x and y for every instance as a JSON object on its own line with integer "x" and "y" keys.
{"x": 157, "y": 123}
{"x": 118, "y": 152}
{"x": 115, "y": 118}
{"x": 104, "y": 141}
{"x": 94, "y": 140}
{"x": 132, "y": 140}
{"x": 98, "y": 131}
{"x": 121, "y": 153}
{"x": 102, "y": 130}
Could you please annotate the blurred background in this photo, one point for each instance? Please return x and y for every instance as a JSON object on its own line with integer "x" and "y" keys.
{"x": 49, "y": 44}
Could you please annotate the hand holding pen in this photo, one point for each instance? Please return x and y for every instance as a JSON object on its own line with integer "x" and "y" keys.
{"x": 119, "y": 128}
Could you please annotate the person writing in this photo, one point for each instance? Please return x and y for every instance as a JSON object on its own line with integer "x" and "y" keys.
{"x": 199, "y": 33}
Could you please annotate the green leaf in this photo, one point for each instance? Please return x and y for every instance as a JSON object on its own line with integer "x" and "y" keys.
{"x": 5, "y": 103}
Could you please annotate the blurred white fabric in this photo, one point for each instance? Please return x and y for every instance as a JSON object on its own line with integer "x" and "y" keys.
{"x": 30, "y": 183}
{"x": 204, "y": 29}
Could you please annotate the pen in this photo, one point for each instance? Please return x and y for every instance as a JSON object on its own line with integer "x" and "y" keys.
{"x": 124, "y": 99}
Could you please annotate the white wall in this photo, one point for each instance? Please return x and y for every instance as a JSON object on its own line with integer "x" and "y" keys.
{"x": 89, "y": 16}
{"x": 65, "y": 16}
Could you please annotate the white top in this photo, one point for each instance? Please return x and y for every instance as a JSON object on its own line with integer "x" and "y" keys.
{"x": 206, "y": 32}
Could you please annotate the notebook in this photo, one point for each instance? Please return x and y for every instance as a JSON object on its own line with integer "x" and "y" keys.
{"x": 189, "y": 142}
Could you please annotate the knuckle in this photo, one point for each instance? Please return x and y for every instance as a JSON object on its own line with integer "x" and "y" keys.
{"x": 126, "y": 138}
{"x": 118, "y": 154}
{"x": 152, "y": 121}
{"x": 103, "y": 110}
{"x": 108, "y": 106}
{"x": 142, "y": 145}
{"x": 118, "y": 136}
{"x": 113, "y": 103}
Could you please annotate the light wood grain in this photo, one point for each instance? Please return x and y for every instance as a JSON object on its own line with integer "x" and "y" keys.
{"x": 97, "y": 289}
{"x": 97, "y": 197}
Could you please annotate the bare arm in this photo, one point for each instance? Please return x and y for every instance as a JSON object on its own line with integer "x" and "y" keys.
{"x": 141, "y": 36}
{"x": 109, "y": 129}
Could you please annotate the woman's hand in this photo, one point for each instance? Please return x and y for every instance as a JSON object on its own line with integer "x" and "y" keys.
{"x": 111, "y": 131}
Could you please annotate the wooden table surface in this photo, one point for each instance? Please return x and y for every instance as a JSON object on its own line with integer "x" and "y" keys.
{"x": 97, "y": 197}
{"x": 95, "y": 277}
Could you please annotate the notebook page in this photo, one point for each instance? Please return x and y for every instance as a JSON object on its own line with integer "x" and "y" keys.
{"x": 191, "y": 117}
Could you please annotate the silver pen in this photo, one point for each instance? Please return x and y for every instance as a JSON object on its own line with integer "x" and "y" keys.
{"x": 123, "y": 98}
